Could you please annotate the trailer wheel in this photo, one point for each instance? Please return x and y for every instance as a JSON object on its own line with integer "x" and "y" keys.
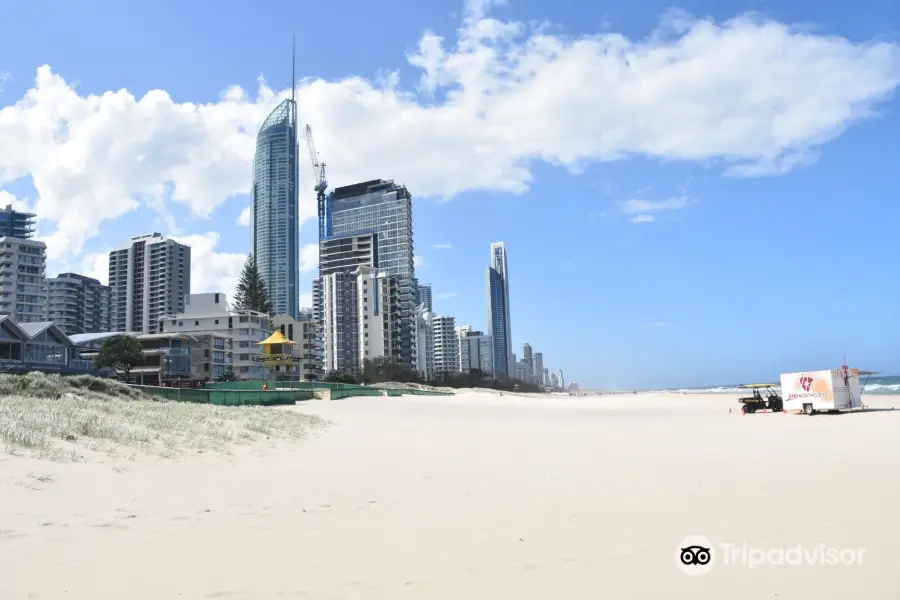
{"x": 808, "y": 409}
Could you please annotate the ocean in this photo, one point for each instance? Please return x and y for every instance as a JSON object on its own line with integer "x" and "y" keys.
{"x": 884, "y": 385}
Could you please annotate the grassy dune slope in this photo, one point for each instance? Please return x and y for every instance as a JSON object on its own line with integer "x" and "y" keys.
{"x": 49, "y": 416}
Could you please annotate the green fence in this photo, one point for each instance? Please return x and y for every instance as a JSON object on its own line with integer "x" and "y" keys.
{"x": 338, "y": 390}
{"x": 356, "y": 391}
{"x": 255, "y": 385}
{"x": 228, "y": 397}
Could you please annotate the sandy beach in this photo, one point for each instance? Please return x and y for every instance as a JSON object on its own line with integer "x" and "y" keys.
{"x": 472, "y": 496}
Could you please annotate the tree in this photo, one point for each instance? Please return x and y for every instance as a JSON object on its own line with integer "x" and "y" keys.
{"x": 251, "y": 293}
{"x": 121, "y": 353}
{"x": 338, "y": 377}
{"x": 228, "y": 375}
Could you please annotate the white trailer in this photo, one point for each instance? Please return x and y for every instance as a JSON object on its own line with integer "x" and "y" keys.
{"x": 814, "y": 391}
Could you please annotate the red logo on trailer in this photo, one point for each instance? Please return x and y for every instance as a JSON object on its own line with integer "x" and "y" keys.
{"x": 806, "y": 383}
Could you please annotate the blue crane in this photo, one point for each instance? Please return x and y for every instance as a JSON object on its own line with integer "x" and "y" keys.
{"x": 321, "y": 183}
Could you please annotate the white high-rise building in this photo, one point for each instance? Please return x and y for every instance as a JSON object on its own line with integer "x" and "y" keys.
{"x": 211, "y": 314}
{"x": 446, "y": 346}
{"x": 537, "y": 363}
{"x": 424, "y": 343}
{"x": 362, "y": 318}
{"x": 22, "y": 285}
{"x": 475, "y": 351}
{"x": 149, "y": 278}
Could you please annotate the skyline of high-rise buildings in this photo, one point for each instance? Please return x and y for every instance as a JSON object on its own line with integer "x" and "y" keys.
{"x": 367, "y": 300}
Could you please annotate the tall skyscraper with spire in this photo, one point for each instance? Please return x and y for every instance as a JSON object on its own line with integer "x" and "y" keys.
{"x": 498, "y": 311}
{"x": 274, "y": 211}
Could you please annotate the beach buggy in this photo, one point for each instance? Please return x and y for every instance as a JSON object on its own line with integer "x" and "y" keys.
{"x": 763, "y": 397}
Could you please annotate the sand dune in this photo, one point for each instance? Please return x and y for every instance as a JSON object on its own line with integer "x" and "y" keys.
{"x": 473, "y": 496}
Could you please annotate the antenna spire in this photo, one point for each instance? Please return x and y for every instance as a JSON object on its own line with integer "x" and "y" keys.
{"x": 293, "y": 67}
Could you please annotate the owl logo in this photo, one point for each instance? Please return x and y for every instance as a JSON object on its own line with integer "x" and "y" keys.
{"x": 695, "y": 555}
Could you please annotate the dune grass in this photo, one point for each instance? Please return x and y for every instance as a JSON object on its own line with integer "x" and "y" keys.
{"x": 49, "y": 416}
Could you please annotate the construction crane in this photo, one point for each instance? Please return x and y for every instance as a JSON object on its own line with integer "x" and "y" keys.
{"x": 321, "y": 184}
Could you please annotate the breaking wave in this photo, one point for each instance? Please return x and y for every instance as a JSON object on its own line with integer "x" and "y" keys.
{"x": 884, "y": 386}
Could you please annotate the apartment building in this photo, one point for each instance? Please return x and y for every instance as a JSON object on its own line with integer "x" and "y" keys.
{"x": 383, "y": 209}
{"x": 446, "y": 346}
{"x": 17, "y": 224}
{"x": 363, "y": 318}
{"x": 78, "y": 304}
{"x": 211, "y": 355}
{"x": 475, "y": 350}
{"x": 424, "y": 343}
{"x": 210, "y": 313}
{"x": 22, "y": 271}
{"x": 149, "y": 278}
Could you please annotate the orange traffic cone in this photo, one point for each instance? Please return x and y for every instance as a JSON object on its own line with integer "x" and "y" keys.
{"x": 729, "y": 410}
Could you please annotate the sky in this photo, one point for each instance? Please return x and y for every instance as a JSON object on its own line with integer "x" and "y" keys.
{"x": 690, "y": 194}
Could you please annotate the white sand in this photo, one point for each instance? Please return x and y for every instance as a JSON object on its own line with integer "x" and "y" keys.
{"x": 475, "y": 496}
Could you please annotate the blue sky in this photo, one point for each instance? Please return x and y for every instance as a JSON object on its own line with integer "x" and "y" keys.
{"x": 690, "y": 194}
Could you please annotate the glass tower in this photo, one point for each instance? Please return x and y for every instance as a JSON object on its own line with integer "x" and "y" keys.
{"x": 385, "y": 209}
{"x": 275, "y": 225}
{"x": 498, "y": 309}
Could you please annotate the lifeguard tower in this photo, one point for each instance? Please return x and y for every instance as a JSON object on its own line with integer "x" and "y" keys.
{"x": 278, "y": 358}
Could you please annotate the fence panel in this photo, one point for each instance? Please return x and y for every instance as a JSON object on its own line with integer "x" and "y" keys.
{"x": 227, "y": 397}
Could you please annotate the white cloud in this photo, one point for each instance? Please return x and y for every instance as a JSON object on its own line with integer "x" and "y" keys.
{"x": 309, "y": 258}
{"x": 244, "y": 218}
{"x": 418, "y": 261}
{"x": 630, "y": 207}
{"x": 642, "y": 219}
{"x": 306, "y": 300}
{"x": 441, "y": 246}
{"x": 96, "y": 265}
{"x": 446, "y": 295}
{"x": 755, "y": 97}
{"x": 20, "y": 204}
{"x": 212, "y": 271}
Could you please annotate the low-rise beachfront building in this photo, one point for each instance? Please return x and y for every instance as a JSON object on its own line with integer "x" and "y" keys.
{"x": 211, "y": 356}
{"x": 167, "y": 356}
{"x": 211, "y": 314}
{"x": 38, "y": 346}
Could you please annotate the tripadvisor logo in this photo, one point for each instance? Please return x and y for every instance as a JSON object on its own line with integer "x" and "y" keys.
{"x": 696, "y": 555}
